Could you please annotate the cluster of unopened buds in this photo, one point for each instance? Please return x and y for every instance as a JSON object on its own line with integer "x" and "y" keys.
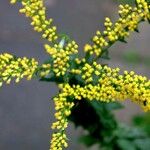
{"x": 80, "y": 78}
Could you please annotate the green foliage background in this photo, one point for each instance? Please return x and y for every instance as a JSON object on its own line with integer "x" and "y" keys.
{"x": 104, "y": 130}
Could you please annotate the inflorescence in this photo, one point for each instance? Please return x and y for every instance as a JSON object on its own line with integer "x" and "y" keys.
{"x": 18, "y": 68}
{"x": 80, "y": 78}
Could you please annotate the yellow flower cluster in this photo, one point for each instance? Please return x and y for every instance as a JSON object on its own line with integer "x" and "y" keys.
{"x": 129, "y": 19}
{"x": 111, "y": 86}
{"x": 90, "y": 72}
{"x": 37, "y": 12}
{"x": 143, "y": 9}
{"x": 97, "y": 82}
{"x": 12, "y": 67}
{"x": 63, "y": 108}
{"x": 13, "y": 1}
{"x": 61, "y": 56}
{"x": 44, "y": 70}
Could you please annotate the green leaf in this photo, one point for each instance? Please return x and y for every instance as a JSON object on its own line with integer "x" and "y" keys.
{"x": 52, "y": 78}
{"x": 87, "y": 140}
{"x": 126, "y": 145}
{"x": 114, "y": 105}
{"x": 105, "y": 54}
{"x": 48, "y": 61}
{"x": 105, "y": 115}
{"x": 143, "y": 122}
{"x": 127, "y": 132}
{"x": 142, "y": 144}
{"x": 122, "y": 40}
{"x": 148, "y": 1}
{"x": 131, "y": 2}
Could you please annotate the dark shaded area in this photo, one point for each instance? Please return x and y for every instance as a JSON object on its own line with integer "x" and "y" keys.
{"x": 102, "y": 128}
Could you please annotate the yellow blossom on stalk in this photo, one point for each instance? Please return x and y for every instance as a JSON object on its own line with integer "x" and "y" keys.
{"x": 111, "y": 86}
{"x": 90, "y": 72}
{"x": 35, "y": 10}
{"x": 63, "y": 108}
{"x": 129, "y": 19}
{"x": 61, "y": 56}
{"x": 13, "y": 1}
{"x": 45, "y": 70}
{"x": 18, "y": 68}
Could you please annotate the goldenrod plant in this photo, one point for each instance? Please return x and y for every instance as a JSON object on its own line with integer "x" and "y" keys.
{"x": 85, "y": 85}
